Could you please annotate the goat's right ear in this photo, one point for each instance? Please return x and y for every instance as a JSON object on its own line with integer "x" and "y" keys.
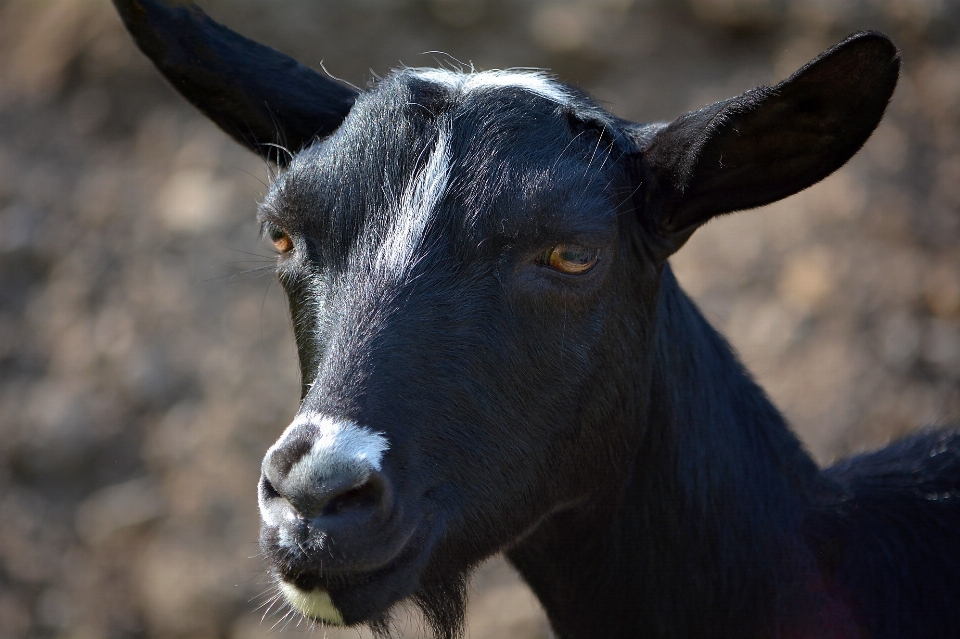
{"x": 262, "y": 98}
{"x": 767, "y": 143}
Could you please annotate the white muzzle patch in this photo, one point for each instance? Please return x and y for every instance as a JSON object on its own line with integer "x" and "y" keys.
{"x": 339, "y": 448}
{"x": 315, "y": 604}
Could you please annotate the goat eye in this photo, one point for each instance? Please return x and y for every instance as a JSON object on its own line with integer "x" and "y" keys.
{"x": 279, "y": 237}
{"x": 570, "y": 258}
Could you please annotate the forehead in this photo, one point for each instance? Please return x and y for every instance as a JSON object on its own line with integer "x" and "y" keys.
{"x": 492, "y": 140}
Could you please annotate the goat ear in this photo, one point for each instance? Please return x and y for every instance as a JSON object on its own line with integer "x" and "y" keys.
{"x": 257, "y": 95}
{"x": 768, "y": 143}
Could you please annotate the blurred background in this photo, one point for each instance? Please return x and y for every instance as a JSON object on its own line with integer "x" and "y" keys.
{"x": 146, "y": 361}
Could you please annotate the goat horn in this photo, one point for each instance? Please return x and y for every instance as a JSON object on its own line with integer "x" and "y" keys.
{"x": 257, "y": 95}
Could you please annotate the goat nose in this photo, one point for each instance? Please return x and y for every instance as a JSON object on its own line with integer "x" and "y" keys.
{"x": 313, "y": 502}
{"x": 322, "y": 467}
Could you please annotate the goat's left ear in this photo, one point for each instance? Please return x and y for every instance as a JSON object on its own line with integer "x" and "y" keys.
{"x": 768, "y": 143}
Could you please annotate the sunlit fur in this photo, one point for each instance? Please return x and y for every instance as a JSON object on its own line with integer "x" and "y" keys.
{"x": 463, "y": 83}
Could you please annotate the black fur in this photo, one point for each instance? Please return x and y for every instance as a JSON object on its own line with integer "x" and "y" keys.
{"x": 261, "y": 98}
{"x": 592, "y": 426}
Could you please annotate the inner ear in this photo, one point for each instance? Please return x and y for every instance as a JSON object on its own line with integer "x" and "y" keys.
{"x": 769, "y": 143}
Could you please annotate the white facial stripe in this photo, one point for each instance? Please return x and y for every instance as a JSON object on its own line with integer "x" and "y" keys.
{"x": 315, "y": 604}
{"x": 423, "y": 193}
{"x": 533, "y": 81}
{"x": 339, "y": 448}
{"x": 420, "y": 198}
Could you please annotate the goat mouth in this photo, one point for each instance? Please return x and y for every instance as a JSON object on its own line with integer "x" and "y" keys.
{"x": 346, "y": 599}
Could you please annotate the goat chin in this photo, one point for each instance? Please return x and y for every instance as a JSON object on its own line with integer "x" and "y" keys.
{"x": 315, "y": 604}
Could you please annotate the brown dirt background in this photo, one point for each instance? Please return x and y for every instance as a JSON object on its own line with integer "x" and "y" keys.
{"x": 146, "y": 364}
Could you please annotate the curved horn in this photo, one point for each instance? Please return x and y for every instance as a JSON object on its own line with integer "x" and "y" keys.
{"x": 257, "y": 95}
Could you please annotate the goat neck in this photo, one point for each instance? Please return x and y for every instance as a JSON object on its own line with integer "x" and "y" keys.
{"x": 692, "y": 544}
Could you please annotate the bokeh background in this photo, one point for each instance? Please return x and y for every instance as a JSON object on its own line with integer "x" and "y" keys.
{"x": 146, "y": 361}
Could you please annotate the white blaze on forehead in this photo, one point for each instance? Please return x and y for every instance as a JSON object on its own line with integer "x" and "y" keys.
{"x": 535, "y": 82}
{"x": 339, "y": 448}
{"x": 420, "y": 198}
{"x": 427, "y": 187}
{"x": 315, "y": 604}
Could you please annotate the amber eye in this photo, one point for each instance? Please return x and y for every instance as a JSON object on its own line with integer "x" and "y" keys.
{"x": 279, "y": 237}
{"x": 570, "y": 258}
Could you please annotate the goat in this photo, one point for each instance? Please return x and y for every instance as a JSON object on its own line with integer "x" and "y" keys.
{"x": 495, "y": 355}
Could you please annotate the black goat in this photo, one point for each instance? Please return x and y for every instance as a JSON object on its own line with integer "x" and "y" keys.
{"x": 495, "y": 356}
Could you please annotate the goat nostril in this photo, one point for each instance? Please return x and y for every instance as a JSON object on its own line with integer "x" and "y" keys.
{"x": 367, "y": 495}
{"x": 269, "y": 492}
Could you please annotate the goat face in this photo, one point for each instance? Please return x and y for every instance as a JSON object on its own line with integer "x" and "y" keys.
{"x": 472, "y": 263}
{"x": 456, "y": 258}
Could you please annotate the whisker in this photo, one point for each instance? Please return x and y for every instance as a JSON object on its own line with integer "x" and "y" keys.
{"x": 236, "y": 250}
{"x": 265, "y": 185}
{"x": 281, "y": 147}
{"x": 350, "y": 84}
{"x": 263, "y": 270}
{"x": 552, "y": 167}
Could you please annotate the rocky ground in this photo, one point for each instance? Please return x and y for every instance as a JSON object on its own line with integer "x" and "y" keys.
{"x": 146, "y": 361}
